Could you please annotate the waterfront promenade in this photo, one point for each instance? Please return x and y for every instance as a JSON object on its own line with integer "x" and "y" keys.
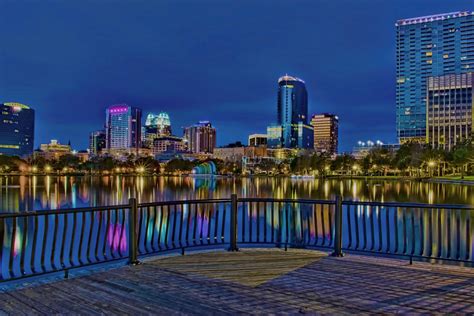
{"x": 253, "y": 281}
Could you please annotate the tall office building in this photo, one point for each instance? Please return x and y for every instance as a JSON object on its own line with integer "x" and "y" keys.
{"x": 292, "y": 129}
{"x": 326, "y": 128}
{"x": 97, "y": 142}
{"x": 449, "y": 110}
{"x": 428, "y": 46}
{"x": 201, "y": 137}
{"x": 123, "y": 127}
{"x": 17, "y": 128}
{"x": 156, "y": 125}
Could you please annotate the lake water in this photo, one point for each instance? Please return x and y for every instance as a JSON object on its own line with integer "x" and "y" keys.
{"x": 56, "y": 241}
{"x": 27, "y": 193}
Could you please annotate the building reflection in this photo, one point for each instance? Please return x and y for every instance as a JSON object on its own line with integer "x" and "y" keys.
{"x": 27, "y": 193}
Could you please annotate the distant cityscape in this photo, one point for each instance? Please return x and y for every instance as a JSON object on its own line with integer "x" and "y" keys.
{"x": 434, "y": 100}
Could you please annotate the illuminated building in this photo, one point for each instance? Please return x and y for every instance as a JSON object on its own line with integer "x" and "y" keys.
{"x": 449, "y": 110}
{"x": 428, "y": 46}
{"x": 17, "y": 128}
{"x": 258, "y": 140}
{"x": 54, "y": 150}
{"x": 156, "y": 125}
{"x": 200, "y": 138}
{"x": 325, "y": 128}
{"x": 363, "y": 148}
{"x": 236, "y": 153}
{"x": 123, "y": 127}
{"x": 168, "y": 144}
{"x": 97, "y": 142}
{"x": 292, "y": 129}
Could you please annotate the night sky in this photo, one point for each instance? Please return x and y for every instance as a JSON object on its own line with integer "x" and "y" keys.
{"x": 216, "y": 60}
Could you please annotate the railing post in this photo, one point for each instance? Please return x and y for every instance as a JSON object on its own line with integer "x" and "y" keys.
{"x": 338, "y": 229}
{"x": 233, "y": 223}
{"x": 132, "y": 232}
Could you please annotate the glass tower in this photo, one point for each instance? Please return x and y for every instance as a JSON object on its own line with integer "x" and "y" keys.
{"x": 428, "y": 46}
{"x": 17, "y": 128}
{"x": 123, "y": 127}
{"x": 292, "y": 129}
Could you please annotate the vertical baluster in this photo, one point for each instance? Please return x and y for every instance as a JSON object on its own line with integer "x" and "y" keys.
{"x": 195, "y": 218}
{"x": 63, "y": 240}
{"x": 280, "y": 224}
{"x": 422, "y": 230}
{"x": 372, "y": 228}
{"x": 108, "y": 220}
{"x": 216, "y": 221}
{"x": 160, "y": 230}
{"x": 3, "y": 230}
{"x": 223, "y": 223}
{"x": 91, "y": 230}
{"x": 265, "y": 211}
{"x": 315, "y": 220}
{"x": 287, "y": 226}
{"x": 173, "y": 233}
{"x": 405, "y": 233}
{"x": 33, "y": 246}
{"x": 356, "y": 226}
{"x": 379, "y": 217}
{"x": 147, "y": 243}
{"x": 387, "y": 227}
{"x": 208, "y": 211}
{"x": 295, "y": 218}
{"x": 448, "y": 233}
{"x": 395, "y": 226}
{"x": 23, "y": 246}
{"x": 243, "y": 221}
{"x": 12, "y": 247}
{"x": 99, "y": 214}
{"x": 71, "y": 244}
{"x": 430, "y": 232}
{"x": 201, "y": 229}
{"x": 458, "y": 234}
{"x": 440, "y": 240}
{"x": 323, "y": 225}
{"x": 308, "y": 227}
{"x": 168, "y": 216}
{"x": 141, "y": 237}
{"x": 81, "y": 238}
{"x": 188, "y": 226}
{"x": 115, "y": 233}
{"x": 43, "y": 246}
{"x": 468, "y": 235}
{"x": 258, "y": 222}
{"x": 364, "y": 226}
{"x": 349, "y": 226}
{"x": 153, "y": 230}
{"x": 272, "y": 210}
{"x": 122, "y": 232}
{"x": 413, "y": 239}
{"x": 181, "y": 221}
{"x": 52, "y": 259}
{"x": 250, "y": 221}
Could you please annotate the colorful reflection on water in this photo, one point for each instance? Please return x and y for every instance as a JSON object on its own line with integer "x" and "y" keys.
{"x": 27, "y": 193}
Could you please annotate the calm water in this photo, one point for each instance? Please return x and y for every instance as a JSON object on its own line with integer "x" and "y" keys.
{"x": 23, "y": 193}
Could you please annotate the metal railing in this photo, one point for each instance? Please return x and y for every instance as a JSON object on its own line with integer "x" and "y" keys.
{"x": 42, "y": 242}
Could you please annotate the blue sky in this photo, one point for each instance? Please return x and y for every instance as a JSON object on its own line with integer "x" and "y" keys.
{"x": 216, "y": 60}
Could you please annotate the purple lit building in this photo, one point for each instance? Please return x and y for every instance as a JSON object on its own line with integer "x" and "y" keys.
{"x": 123, "y": 127}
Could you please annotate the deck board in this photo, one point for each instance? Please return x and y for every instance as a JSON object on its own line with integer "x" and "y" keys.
{"x": 253, "y": 281}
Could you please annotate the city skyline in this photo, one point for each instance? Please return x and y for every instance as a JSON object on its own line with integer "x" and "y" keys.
{"x": 149, "y": 64}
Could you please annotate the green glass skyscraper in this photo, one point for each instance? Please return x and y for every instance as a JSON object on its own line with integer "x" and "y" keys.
{"x": 428, "y": 46}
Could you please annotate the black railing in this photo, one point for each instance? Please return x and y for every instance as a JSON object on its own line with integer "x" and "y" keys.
{"x": 51, "y": 241}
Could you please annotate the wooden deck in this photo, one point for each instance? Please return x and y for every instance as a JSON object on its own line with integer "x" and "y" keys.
{"x": 254, "y": 281}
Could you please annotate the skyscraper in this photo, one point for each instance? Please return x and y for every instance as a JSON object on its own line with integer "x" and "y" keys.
{"x": 292, "y": 129}
{"x": 201, "y": 137}
{"x": 449, "y": 110}
{"x": 17, "y": 128}
{"x": 428, "y": 46}
{"x": 326, "y": 128}
{"x": 97, "y": 142}
{"x": 123, "y": 127}
{"x": 156, "y": 125}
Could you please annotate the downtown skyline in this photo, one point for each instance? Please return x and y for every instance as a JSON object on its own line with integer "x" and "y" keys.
{"x": 162, "y": 66}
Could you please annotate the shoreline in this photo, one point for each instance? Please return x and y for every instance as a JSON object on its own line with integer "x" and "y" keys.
{"x": 447, "y": 180}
